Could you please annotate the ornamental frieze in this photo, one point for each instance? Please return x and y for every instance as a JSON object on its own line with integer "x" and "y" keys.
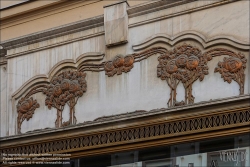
{"x": 182, "y": 64}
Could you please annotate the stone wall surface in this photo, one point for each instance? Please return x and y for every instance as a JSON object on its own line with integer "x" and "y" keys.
{"x": 138, "y": 89}
{"x": 3, "y": 98}
{"x": 36, "y": 13}
{"x": 224, "y": 20}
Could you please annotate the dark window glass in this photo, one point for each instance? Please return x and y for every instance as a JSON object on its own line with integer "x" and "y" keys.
{"x": 167, "y": 155}
{"x": 218, "y": 144}
{"x": 124, "y": 158}
{"x": 96, "y": 161}
{"x": 154, "y": 153}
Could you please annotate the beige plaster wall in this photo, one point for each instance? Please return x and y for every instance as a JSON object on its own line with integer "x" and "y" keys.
{"x": 6, "y": 3}
{"x": 224, "y": 20}
{"x": 140, "y": 89}
{"x": 18, "y": 21}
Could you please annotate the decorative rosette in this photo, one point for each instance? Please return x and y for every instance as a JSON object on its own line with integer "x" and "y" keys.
{"x": 27, "y": 106}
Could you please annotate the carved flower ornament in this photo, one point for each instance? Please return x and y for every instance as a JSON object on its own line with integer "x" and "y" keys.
{"x": 26, "y": 107}
{"x": 118, "y": 61}
{"x": 193, "y": 62}
{"x": 232, "y": 68}
{"x": 181, "y": 61}
{"x": 118, "y": 65}
{"x": 171, "y": 67}
{"x": 25, "y": 110}
{"x": 232, "y": 64}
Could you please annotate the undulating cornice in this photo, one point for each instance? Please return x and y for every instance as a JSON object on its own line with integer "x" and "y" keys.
{"x": 86, "y": 58}
{"x": 193, "y": 35}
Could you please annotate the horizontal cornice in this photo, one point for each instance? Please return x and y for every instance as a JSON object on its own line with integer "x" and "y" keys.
{"x": 55, "y": 32}
{"x": 3, "y": 59}
{"x": 25, "y": 6}
{"x": 3, "y": 52}
{"x": 14, "y": 5}
{"x": 174, "y": 9}
{"x": 140, "y": 129}
{"x": 99, "y": 21}
{"x": 154, "y": 6}
{"x": 203, "y": 107}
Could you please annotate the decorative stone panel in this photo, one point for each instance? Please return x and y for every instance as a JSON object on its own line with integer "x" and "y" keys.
{"x": 116, "y": 23}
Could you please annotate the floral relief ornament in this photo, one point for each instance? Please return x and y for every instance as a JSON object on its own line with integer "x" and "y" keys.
{"x": 184, "y": 64}
{"x": 25, "y": 110}
{"x": 64, "y": 89}
{"x": 118, "y": 65}
{"x": 232, "y": 68}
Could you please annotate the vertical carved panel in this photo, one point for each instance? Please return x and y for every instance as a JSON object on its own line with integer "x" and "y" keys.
{"x": 63, "y": 89}
{"x": 116, "y": 23}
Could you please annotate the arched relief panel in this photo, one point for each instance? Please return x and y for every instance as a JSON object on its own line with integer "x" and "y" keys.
{"x": 63, "y": 85}
{"x": 184, "y": 62}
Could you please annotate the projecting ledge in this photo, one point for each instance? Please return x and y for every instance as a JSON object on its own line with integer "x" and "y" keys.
{"x": 138, "y": 117}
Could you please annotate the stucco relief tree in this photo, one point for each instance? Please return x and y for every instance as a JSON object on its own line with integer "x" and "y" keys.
{"x": 185, "y": 64}
{"x": 64, "y": 89}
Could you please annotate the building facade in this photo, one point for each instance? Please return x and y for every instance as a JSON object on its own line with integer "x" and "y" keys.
{"x": 126, "y": 83}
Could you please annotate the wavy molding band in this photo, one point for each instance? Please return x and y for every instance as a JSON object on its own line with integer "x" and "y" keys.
{"x": 205, "y": 42}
